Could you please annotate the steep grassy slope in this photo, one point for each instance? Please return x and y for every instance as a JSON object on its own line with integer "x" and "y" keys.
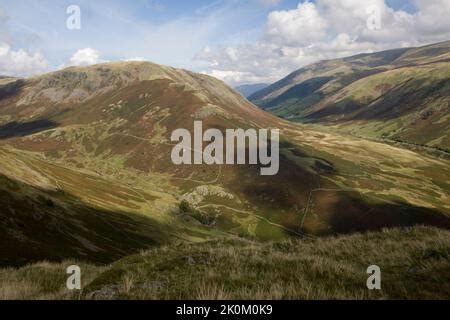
{"x": 399, "y": 95}
{"x": 49, "y": 212}
{"x": 414, "y": 264}
{"x": 81, "y": 145}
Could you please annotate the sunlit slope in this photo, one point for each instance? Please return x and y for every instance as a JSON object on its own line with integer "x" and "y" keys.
{"x": 98, "y": 138}
{"x": 51, "y": 212}
{"x": 400, "y": 95}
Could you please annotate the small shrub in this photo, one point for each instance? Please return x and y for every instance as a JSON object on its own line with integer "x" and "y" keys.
{"x": 186, "y": 208}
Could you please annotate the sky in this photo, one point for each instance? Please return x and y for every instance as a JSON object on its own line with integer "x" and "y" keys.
{"x": 238, "y": 41}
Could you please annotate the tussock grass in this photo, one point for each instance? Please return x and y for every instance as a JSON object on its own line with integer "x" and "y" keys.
{"x": 42, "y": 281}
{"x": 415, "y": 264}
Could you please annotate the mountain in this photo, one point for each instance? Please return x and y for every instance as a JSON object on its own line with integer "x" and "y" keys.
{"x": 248, "y": 89}
{"x": 400, "y": 95}
{"x": 86, "y": 171}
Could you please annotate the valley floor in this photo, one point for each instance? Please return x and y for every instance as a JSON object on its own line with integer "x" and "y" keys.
{"x": 414, "y": 262}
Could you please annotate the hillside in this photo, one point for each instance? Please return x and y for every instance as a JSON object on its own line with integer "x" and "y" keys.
{"x": 85, "y": 156}
{"x": 248, "y": 89}
{"x": 414, "y": 265}
{"x": 398, "y": 95}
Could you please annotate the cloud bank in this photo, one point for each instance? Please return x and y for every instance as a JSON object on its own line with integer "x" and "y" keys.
{"x": 20, "y": 62}
{"x": 326, "y": 29}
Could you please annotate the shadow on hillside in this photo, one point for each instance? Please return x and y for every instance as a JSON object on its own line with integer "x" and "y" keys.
{"x": 11, "y": 88}
{"x": 283, "y": 198}
{"x": 280, "y": 198}
{"x": 300, "y": 91}
{"x": 37, "y": 225}
{"x": 354, "y": 214}
{"x": 395, "y": 102}
{"x": 21, "y": 129}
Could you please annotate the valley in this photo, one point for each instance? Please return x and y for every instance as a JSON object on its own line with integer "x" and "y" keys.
{"x": 246, "y": 151}
{"x": 400, "y": 95}
{"x": 86, "y": 175}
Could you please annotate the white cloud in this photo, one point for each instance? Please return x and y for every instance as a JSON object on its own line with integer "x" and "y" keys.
{"x": 20, "y": 62}
{"x": 296, "y": 27}
{"x": 234, "y": 76}
{"x": 85, "y": 57}
{"x": 326, "y": 29}
{"x": 432, "y": 19}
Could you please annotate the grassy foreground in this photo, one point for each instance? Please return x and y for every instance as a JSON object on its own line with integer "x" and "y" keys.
{"x": 415, "y": 264}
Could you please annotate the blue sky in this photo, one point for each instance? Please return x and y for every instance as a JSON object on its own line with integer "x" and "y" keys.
{"x": 232, "y": 39}
{"x": 170, "y": 32}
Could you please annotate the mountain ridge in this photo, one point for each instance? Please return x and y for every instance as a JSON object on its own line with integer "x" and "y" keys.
{"x": 371, "y": 95}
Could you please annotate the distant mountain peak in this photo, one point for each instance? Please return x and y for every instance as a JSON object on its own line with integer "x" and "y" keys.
{"x": 248, "y": 89}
